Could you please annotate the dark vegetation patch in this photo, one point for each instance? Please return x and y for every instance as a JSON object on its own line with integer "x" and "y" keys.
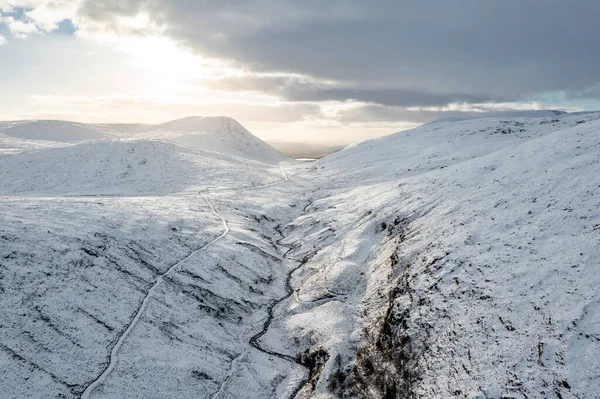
{"x": 314, "y": 361}
{"x": 386, "y": 366}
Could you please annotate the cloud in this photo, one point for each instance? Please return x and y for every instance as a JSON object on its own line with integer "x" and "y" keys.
{"x": 49, "y": 14}
{"x": 394, "y": 97}
{"x": 397, "y": 53}
{"x": 496, "y": 49}
{"x": 18, "y": 28}
{"x": 250, "y": 82}
{"x": 364, "y": 113}
{"x": 119, "y": 108}
{"x": 303, "y": 88}
{"x": 9, "y": 6}
{"x": 24, "y": 18}
{"x": 2, "y": 40}
{"x": 592, "y": 92}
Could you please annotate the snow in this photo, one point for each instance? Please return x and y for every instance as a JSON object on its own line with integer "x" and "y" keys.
{"x": 219, "y": 134}
{"x": 216, "y": 134}
{"x": 50, "y": 130}
{"x": 72, "y": 272}
{"x": 502, "y": 114}
{"x": 123, "y": 167}
{"x": 458, "y": 259}
{"x": 492, "y": 274}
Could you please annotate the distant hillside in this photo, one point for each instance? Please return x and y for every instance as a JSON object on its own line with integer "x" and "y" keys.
{"x": 219, "y": 134}
{"x": 51, "y": 130}
{"x": 298, "y": 150}
{"x": 122, "y": 167}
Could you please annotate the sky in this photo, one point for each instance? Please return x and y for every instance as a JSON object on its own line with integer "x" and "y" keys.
{"x": 311, "y": 70}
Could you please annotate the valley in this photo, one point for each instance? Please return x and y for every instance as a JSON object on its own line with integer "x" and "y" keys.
{"x": 190, "y": 259}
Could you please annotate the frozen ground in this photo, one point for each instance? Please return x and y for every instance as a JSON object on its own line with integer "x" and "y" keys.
{"x": 459, "y": 259}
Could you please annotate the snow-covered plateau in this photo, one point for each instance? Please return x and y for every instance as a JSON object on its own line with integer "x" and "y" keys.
{"x": 190, "y": 259}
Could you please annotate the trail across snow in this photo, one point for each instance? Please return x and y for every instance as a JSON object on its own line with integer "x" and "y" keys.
{"x": 114, "y": 353}
{"x": 283, "y": 173}
{"x": 223, "y": 384}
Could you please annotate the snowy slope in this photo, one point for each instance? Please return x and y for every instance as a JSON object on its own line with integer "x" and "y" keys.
{"x": 51, "y": 130}
{"x": 460, "y": 269}
{"x": 436, "y": 146}
{"x": 74, "y": 271}
{"x": 123, "y": 167}
{"x": 219, "y": 134}
{"x": 503, "y": 114}
{"x": 12, "y": 145}
{"x": 459, "y": 259}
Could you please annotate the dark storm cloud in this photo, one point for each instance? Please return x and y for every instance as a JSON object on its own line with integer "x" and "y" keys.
{"x": 297, "y": 90}
{"x": 430, "y": 51}
{"x": 396, "y": 97}
{"x": 260, "y": 83}
{"x": 592, "y": 92}
{"x": 381, "y": 113}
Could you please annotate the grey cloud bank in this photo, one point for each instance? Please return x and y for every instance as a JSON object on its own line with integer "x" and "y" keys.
{"x": 430, "y": 52}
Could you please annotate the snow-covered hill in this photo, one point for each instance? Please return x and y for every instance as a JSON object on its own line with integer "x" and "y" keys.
{"x": 90, "y": 232}
{"x": 216, "y": 134}
{"x": 219, "y": 134}
{"x": 124, "y": 167}
{"x": 502, "y": 114}
{"x": 19, "y": 136}
{"x": 459, "y": 259}
{"x": 456, "y": 260}
{"x": 51, "y": 130}
{"x": 439, "y": 145}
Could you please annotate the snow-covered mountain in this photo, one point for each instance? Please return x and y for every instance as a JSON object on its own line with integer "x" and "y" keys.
{"x": 458, "y": 259}
{"x": 219, "y": 134}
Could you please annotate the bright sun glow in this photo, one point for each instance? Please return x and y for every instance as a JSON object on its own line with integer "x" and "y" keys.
{"x": 165, "y": 69}
{"x": 164, "y": 64}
